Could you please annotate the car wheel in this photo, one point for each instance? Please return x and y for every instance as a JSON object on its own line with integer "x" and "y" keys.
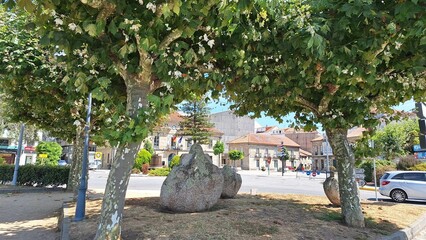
{"x": 398, "y": 195}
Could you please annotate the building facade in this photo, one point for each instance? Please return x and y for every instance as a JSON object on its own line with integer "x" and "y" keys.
{"x": 259, "y": 148}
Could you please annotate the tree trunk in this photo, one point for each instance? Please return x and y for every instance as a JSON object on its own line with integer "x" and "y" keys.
{"x": 77, "y": 159}
{"x": 348, "y": 189}
{"x": 115, "y": 191}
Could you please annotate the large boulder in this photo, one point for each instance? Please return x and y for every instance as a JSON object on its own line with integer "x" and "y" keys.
{"x": 193, "y": 186}
{"x": 232, "y": 182}
{"x": 331, "y": 190}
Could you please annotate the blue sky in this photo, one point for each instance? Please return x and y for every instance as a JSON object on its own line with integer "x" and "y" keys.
{"x": 222, "y": 105}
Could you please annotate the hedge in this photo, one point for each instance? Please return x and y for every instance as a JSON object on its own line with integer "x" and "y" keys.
{"x": 35, "y": 175}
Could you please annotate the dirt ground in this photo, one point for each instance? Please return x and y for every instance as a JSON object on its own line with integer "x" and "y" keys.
{"x": 31, "y": 215}
{"x": 252, "y": 217}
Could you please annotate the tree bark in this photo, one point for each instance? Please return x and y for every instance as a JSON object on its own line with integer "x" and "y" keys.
{"x": 115, "y": 191}
{"x": 348, "y": 189}
{"x": 77, "y": 160}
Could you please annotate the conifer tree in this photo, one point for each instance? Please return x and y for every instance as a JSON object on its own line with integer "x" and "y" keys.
{"x": 195, "y": 122}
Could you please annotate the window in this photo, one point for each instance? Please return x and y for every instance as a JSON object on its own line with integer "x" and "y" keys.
{"x": 210, "y": 143}
{"x": 28, "y": 159}
{"x": 4, "y": 142}
{"x": 398, "y": 176}
{"x": 156, "y": 141}
{"x": 414, "y": 176}
{"x": 276, "y": 164}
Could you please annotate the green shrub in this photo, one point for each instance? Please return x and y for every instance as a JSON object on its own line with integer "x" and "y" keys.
{"x": 135, "y": 171}
{"x": 159, "y": 172}
{"x": 2, "y": 161}
{"x": 36, "y": 175}
{"x": 143, "y": 157}
{"x": 407, "y": 162}
{"x": 6, "y": 173}
{"x": 368, "y": 167}
{"x": 419, "y": 167}
{"x": 53, "y": 151}
{"x": 175, "y": 161}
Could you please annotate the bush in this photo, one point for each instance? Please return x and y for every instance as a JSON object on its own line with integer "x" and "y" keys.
{"x": 419, "y": 167}
{"x": 407, "y": 162}
{"x": 175, "y": 161}
{"x": 159, "y": 172}
{"x": 380, "y": 171}
{"x": 368, "y": 167}
{"x": 2, "y": 161}
{"x": 36, "y": 175}
{"x": 135, "y": 171}
{"x": 145, "y": 168}
{"x": 53, "y": 151}
{"x": 143, "y": 157}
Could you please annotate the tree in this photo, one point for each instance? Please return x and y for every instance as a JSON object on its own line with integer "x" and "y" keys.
{"x": 337, "y": 63}
{"x": 175, "y": 161}
{"x": 218, "y": 149}
{"x": 145, "y": 52}
{"x": 143, "y": 157}
{"x": 195, "y": 121}
{"x": 148, "y": 146}
{"x": 235, "y": 155}
{"x": 394, "y": 140}
{"x": 53, "y": 151}
{"x": 33, "y": 90}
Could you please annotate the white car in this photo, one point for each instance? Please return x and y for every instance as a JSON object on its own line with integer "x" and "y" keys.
{"x": 403, "y": 185}
{"x": 95, "y": 165}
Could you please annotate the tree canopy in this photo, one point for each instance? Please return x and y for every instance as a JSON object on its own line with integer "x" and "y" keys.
{"x": 337, "y": 63}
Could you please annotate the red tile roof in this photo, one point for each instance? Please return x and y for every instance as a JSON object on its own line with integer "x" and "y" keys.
{"x": 263, "y": 139}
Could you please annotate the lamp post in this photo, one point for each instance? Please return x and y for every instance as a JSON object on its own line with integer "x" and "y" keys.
{"x": 81, "y": 197}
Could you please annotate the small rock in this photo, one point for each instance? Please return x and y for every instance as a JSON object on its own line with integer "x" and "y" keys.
{"x": 232, "y": 182}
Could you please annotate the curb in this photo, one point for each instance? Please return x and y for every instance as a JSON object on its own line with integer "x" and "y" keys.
{"x": 65, "y": 221}
{"x": 30, "y": 190}
{"x": 368, "y": 188}
{"x": 409, "y": 232}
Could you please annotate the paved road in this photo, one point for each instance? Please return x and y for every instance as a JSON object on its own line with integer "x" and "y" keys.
{"x": 258, "y": 181}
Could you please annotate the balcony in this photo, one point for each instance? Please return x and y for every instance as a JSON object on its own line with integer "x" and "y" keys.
{"x": 258, "y": 155}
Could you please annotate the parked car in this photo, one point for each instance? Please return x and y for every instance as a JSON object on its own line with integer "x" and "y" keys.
{"x": 62, "y": 163}
{"x": 95, "y": 165}
{"x": 403, "y": 185}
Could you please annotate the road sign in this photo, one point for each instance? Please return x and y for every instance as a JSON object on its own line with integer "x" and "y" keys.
{"x": 98, "y": 155}
{"x": 42, "y": 155}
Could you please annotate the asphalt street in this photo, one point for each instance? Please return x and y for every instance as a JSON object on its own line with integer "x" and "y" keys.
{"x": 253, "y": 181}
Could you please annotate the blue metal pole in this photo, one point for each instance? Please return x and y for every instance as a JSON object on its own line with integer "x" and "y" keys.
{"x": 81, "y": 198}
{"x": 18, "y": 155}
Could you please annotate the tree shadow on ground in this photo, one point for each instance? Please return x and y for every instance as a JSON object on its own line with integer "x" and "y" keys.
{"x": 246, "y": 217}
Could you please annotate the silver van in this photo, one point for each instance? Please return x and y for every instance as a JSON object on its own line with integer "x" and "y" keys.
{"x": 403, "y": 185}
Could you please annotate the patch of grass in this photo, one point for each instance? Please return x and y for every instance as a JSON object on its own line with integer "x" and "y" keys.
{"x": 330, "y": 216}
{"x": 254, "y": 228}
{"x": 383, "y": 227}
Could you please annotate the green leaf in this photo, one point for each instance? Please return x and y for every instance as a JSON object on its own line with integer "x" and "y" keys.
{"x": 91, "y": 29}
{"x": 423, "y": 41}
{"x": 176, "y": 6}
{"x": 168, "y": 100}
{"x": 123, "y": 51}
{"x": 112, "y": 28}
{"x": 165, "y": 10}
